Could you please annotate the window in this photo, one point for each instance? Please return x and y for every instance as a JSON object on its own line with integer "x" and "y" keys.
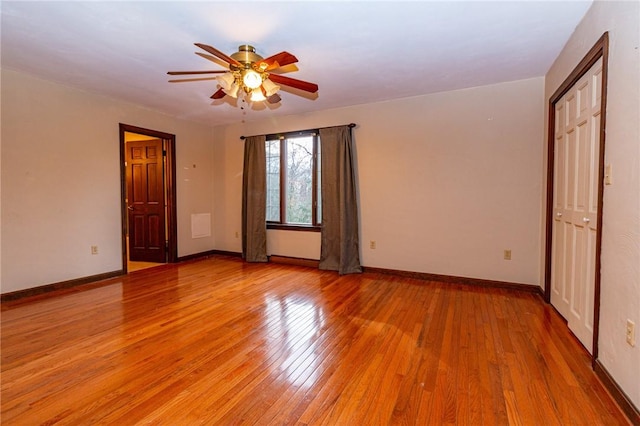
{"x": 293, "y": 181}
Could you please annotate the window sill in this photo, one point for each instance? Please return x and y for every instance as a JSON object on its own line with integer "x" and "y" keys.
{"x": 292, "y": 227}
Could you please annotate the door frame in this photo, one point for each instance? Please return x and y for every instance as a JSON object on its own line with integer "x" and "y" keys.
{"x": 599, "y": 50}
{"x": 170, "y": 188}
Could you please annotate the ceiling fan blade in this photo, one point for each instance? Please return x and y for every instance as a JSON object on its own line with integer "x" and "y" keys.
{"x": 286, "y": 69}
{"x": 213, "y": 59}
{"x": 218, "y": 53}
{"x": 194, "y": 72}
{"x": 184, "y": 80}
{"x": 274, "y": 99}
{"x": 219, "y": 94}
{"x": 279, "y": 60}
{"x": 292, "y": 82}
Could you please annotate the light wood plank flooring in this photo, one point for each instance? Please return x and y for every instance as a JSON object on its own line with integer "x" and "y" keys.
{"x": 218, "y": 341}
{"x": 138, "y": 266}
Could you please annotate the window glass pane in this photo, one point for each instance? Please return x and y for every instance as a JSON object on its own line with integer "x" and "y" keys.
{"x": 273, "y": 180}
{"x": 299, "y": 180}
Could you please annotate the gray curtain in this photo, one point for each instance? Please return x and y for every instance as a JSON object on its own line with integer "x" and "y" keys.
{"x": 254, "y": 193}
{"x": 339, "y": 250}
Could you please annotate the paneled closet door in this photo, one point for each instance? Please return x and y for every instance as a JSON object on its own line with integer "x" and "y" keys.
{"x": 577, "y": 144}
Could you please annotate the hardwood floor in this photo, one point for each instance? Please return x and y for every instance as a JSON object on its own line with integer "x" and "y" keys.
{"x": 218, "y": 341}
{"x": 138, "y": 266}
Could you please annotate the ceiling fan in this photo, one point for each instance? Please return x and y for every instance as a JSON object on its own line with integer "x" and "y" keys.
{"x": 251, "y": 74}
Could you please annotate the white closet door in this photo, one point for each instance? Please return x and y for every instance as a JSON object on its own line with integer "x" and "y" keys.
{"x": 577, "y": 144}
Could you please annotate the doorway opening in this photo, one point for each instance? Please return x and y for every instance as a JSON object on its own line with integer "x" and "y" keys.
{"x": 148, "y": 198}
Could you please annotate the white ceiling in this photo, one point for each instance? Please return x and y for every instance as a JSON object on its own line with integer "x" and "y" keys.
{"x": 357, "y": 52}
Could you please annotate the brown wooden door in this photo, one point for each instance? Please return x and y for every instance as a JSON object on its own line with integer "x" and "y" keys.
{"x": 145, "y": 201}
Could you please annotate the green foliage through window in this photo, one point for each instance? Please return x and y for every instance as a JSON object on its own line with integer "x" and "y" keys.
{"x": 293, "y": 174}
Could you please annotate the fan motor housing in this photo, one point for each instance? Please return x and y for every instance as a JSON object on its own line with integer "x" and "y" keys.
{"x": 246, "y": 54}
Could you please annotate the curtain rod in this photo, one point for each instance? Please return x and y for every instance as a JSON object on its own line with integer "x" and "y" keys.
{"x": 351, "y": 126}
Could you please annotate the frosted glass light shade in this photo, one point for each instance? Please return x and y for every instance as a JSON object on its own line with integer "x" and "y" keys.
{"x": 257, "y": 95}
{"x": 251, "y": 79}
{"x": 233, "y": 91}
{"x": 226, "y": 81}
{"x": 270, "y": 88}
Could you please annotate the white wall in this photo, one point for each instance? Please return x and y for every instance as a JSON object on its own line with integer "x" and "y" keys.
{"x": 446, "y": 181}
{"x": 61, "y": 180}
{"x": 620, "y": 271}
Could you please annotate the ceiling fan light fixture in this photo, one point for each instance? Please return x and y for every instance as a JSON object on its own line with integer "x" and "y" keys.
{"x": 226, "y": 81}
{"x": 270, "y": 88}
{"x": 251, "y": 79}
{"x": 248, "y": 74}
{"x": 257, "y": 95}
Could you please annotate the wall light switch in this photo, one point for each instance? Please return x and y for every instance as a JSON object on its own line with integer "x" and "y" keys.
{"x": 608, "y": 178}
{"x": 631, "y": 333}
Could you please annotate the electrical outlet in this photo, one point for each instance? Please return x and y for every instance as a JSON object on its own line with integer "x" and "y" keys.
{"x": 631, "y": 333}
{"x": 372, "y": 245}
{"x": 94, "y": 249}
{"x": 507, "y": 255}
